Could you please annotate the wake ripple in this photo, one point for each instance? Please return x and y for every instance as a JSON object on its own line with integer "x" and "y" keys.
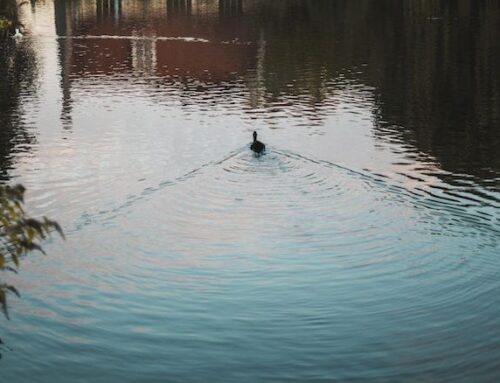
{"x": 281, "y": 174}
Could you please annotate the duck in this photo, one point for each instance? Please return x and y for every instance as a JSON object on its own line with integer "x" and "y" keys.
{"x": 18, "y": 34}
{"x": 257, "y": 146}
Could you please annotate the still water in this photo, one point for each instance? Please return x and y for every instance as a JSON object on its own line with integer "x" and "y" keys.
{"x": 364, "y": 246}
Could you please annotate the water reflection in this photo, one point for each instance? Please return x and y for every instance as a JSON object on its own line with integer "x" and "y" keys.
{"x": 441, "y": 94}
{"x": 430, "y": 67}
{"x": 368, "y": 228}
{"x": 17, "y": 79}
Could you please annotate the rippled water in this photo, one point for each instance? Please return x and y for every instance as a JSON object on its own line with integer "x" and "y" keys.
{"x": 362, "y": 247}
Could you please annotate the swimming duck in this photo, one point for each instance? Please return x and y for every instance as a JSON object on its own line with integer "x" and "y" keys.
{"x": 257, "y": 146}
{"x": 18, "y": 34}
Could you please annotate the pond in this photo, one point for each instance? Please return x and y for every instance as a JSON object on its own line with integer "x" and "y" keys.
{"x": 363, "y": 246}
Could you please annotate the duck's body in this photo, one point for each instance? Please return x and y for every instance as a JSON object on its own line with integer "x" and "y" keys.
{"x": 257, "y": 146}
{"x": 18, "y": 34}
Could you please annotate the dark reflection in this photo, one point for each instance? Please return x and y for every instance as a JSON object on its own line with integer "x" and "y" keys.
{"x": 108, "y": 9}
{"x": 63, "y": 25}
{"x": 230, "y": 8}
{"x": 9, "y": 10}
{"x": 437, "y": 86}
{"x": 176, "y": 7}
{"x": 299, "y": 38}
{"x": 428, "y": 69}
{"x": 18, "y": 70}
{"x": 431, "y": 63}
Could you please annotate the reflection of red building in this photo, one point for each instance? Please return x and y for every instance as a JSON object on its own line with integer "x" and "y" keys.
{"x": 162, "y": 38}
{"x": 201, "y": 60}
{"x": 100, "y": 57}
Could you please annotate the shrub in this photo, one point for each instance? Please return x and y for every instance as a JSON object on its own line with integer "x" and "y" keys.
{"x": 19, "y": 234}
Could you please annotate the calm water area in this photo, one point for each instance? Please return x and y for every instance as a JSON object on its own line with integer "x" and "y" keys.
{"x": 363, "y": 246}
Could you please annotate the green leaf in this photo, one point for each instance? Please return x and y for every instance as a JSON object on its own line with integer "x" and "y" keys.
{"x": 18, "y": 234}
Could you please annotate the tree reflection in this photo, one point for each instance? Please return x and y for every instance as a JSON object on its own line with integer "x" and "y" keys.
{"x": 17, "y": 78}
{"x": 178, "y": 7}
{"x": 443, "y": 89}
{"x": 8, "y": 12}
{"x": 430, "y": 66}
{"x": 230, "y": 8}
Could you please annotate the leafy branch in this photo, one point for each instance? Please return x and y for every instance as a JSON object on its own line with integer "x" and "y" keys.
{"x": 19, "y": 234}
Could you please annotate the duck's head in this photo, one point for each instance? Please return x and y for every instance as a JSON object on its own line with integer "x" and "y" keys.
{"x": 254, "y": 136}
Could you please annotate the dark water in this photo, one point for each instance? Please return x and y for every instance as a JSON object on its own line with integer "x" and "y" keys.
{"x": 362, "y": 247}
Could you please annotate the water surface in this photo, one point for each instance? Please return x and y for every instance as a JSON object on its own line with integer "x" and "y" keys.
{"x": 362, "y": 247}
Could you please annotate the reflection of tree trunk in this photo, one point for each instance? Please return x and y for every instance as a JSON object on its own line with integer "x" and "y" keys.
{"x": 60, "y": 17}
{"x": 230, "y": 8}
{"x": 18, "y": 68}
{"x": 256, "y": 83}
{"x": 106, "y": 8}
{"x": 179, "y": 7}
{"x": 64, "y": 9}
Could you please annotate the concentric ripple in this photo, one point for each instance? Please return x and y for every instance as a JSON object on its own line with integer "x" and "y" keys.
{"x": 284, "y": 200}
{"x": 259, "y": 248}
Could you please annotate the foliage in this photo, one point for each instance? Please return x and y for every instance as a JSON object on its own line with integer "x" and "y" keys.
{"x": 9, "y": 16}
{"x": 19, "y": 234}
{"x": 4, "y": 23}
